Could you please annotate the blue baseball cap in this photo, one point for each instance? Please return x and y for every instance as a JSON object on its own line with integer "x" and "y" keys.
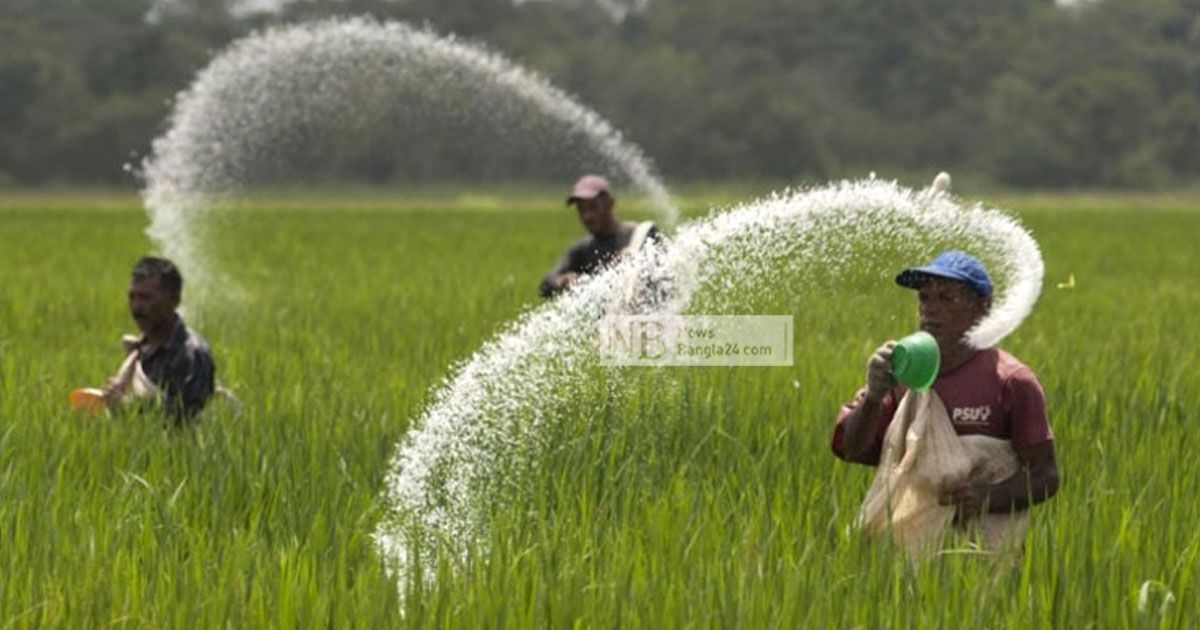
{"x": 954, "y": 265}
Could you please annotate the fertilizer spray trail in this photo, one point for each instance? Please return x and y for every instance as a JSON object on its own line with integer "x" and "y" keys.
{"x": 299, "y": 89}
{"x": 492, "y": 416}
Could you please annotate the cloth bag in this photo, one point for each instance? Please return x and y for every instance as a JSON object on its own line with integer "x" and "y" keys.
{"x": 923, "y": 457}
{"x": 636, "y": 240}
{"x": 644, "y": 291}
{"x": 133, "y": 380}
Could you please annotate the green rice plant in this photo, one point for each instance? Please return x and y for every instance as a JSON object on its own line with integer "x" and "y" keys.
{"x": 688, "y": 497}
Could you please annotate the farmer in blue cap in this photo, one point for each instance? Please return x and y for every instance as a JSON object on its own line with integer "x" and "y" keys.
{"x": 986, "y": 392}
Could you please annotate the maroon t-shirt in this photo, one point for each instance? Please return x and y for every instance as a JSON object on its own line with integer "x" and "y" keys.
{"x": 991, "y": 394}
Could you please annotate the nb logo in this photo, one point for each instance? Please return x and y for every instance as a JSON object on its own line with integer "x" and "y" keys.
{"x": 971, "y": 415}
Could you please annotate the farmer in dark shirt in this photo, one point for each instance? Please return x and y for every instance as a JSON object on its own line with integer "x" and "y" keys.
{"x": 985, "y": 391}
{"x": 610, "y": 237}
{"x": 170, "y": 362}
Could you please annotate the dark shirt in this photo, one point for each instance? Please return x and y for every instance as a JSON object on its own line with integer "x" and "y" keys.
{"x": 183, "y": 369}
{"x": 591, "y": 254}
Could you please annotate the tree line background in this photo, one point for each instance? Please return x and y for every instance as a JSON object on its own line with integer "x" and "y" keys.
{"x": 1024, "y": 93}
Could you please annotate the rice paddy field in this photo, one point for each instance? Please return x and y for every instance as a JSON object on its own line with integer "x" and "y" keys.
{"x": 712, "y": 503}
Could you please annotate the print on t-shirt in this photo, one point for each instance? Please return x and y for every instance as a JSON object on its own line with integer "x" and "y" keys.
{"x": 975, "y": 416}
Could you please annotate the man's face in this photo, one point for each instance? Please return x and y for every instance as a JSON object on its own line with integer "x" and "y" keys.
{"x": 150, "y": 304}
{"x": 949, "y": 309}
{"x": 595, "y": 213}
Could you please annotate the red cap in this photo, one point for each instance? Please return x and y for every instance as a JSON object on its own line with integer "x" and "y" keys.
{"x": 588, "y": 187}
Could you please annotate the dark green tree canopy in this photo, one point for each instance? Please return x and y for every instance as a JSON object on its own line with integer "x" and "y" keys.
{"x": 1023, "y": 92}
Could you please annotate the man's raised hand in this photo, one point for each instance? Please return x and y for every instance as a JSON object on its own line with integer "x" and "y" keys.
{"x": 565, "y": 280}
{"x": 879, "y": 371}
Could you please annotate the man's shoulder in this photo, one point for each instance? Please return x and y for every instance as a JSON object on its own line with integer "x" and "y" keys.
{"x": 581, "y": 244}
{"x": 1010, "y": 368}
{"x": 195, "y": 344}
{"x": 643, "y": 232}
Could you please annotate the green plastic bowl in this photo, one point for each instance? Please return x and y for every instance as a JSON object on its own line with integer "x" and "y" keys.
{"x": 915, "y": 360}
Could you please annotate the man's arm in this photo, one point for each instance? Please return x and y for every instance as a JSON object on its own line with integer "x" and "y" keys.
{"x": 201, "y": 385}
{"x": 860, "y": 427}
{"x": 192, "y": 383}
{"x": 1036, "y": 481}
{"x": 560, "y": 277}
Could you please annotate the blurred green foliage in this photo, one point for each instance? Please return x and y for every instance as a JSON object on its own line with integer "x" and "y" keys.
{"x": 1023, "y": 93}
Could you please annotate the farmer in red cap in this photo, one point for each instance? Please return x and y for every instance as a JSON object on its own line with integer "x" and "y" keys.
{"x": 986, "y": 393}
{"x": 610, "y": 237}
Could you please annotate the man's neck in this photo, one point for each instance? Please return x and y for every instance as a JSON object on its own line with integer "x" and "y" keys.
{"x": 159, "y": 337}
{"x": 955, "y": 356}
{"x": 611, "y": 229}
